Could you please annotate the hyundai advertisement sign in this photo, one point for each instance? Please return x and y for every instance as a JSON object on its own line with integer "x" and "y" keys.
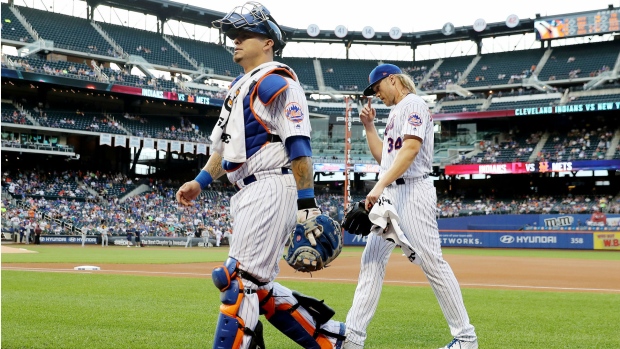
{"x": 505, "y": 239}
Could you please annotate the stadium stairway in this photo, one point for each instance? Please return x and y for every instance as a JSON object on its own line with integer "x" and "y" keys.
{"x": 137, "y": 191}
{"x": 539, "y": 147}
{"x": 26, "y": 113}
{"x": 613, "y": 146}
{"x": 469, "y": 68}
{"x": 25, "y": 23}
{"x": 90, "y": 190}
{"x": 318, "y": 71}
{"x": 428, "y": 74}
{"x": 178, "y": 48}
{"x": 542, "y": 62}
{"x": 109, "y": 39}
{"x": 487, "y": 103}
{"x": 121, "y": 127}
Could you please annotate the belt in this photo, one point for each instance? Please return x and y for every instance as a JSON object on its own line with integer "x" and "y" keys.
{"x": 401, "y": 181}
{"x": 240, "y": 184}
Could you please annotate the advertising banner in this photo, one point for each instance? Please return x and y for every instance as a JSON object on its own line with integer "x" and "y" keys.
{"x": 134, "y": 142}
{"x": 367, "y": 168}
{"x": 67, "y": 239}
{"x": 120, "y": 141}
{"x": 105, "y": 139}
{"x": 162, "y": 144}
{"x": 462, "y": 239}
{"x": 606, "y": 241}
{"x": 535, "y": 167}
{"x": 188, "y": 147}
{"x": 161, "y": 241}
{"x": 328, "y": 167}
{"x": 175, "y": 146}
{"x": 149, "y": 143}
{"x": 498, "y": 239}
{"x": 354, "y": 240}
{"x": 201, "y": 148}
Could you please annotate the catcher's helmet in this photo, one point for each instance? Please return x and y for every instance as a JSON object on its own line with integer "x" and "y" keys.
{"x": 255, "y": 18}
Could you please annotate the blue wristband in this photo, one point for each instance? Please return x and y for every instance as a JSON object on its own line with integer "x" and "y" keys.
{"x": 305, "y": 193}
{"x": 204, "y": 179}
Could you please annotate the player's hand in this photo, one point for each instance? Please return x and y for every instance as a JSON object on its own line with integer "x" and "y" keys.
{"x": 373, "y": 196}
{"x": 368, "y": 114}
{"x": 307, "y": 218}
{"x": 188, "y": 192}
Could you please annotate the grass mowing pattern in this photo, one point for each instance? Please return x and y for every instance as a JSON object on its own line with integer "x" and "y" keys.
{"x": 67, "y": 310}
{"x": 117, "y": 255}
{"x": 123, "y": 255}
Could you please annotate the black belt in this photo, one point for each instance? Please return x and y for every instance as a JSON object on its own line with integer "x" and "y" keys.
{"x": 273, "y": 138}
{"x": 401, "y": 181}
{"x": 252, "y": 178}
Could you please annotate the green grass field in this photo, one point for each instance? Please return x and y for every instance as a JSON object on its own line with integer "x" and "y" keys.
{"x": 70, "y": 310}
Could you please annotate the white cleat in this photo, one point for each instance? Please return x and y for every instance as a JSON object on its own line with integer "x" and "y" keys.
{"x": 459, "y": 344}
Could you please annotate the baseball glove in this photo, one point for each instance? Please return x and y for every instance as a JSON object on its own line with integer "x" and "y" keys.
{"x": 303, "y": 256}
{"x": 356, "y": 219}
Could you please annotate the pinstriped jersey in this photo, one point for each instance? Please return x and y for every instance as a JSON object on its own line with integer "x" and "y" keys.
{"x": 285, "y": 116}
{"x": 410, "y": 116}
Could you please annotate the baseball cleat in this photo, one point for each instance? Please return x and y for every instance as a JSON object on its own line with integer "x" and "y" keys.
{"x": 459, "y": 344}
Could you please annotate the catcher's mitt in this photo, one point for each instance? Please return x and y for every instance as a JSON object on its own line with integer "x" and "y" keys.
{"x": 305, "y": 257}
{"x": 356, "y": 219}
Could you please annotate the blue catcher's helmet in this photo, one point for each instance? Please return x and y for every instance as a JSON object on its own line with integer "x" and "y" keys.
{"x": 255, "y": 18}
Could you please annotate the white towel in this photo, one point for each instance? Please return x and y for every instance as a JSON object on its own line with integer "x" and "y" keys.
{"x": 385, "y": 219}
{"x": 228, "y": 135}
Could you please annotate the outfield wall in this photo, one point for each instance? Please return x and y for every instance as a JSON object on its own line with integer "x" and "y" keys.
{"x": 122, "y": 240}
{"x": 601, "y": 240}
{"x": 523, "y": 231}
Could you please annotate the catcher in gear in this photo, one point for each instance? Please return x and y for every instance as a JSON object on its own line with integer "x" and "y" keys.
{"x": 356, "y": 219}
{"x": 262, "y": 143}
{"x": 308, "y": 252}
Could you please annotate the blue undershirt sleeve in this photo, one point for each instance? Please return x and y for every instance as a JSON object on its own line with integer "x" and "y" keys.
{"x": 298, "y": 146}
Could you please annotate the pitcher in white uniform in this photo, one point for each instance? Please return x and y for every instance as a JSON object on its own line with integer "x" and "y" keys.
{"x": 262, "y": 143}
{"x": 406, "y": 157}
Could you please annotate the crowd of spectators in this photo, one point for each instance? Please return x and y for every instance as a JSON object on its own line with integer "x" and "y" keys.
{"x": 507, "y": 150}
{"x": 84, "y": 203}
{"x": 156, "y": 212}
{"x": 438, "y": 80}
{"x": 578, "y": 204}
{"x": 50, "y": 184}
{"x": 14, "y": 117}
{"x": 578, "y": 144}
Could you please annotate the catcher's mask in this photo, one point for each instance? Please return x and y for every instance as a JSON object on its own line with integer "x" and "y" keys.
{"x": 255, "y": 18}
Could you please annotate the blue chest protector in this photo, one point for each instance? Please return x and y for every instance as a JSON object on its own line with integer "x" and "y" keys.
{"x": 267, "y": 89}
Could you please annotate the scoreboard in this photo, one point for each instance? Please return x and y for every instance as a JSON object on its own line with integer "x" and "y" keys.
{"x": 587, "y": 23}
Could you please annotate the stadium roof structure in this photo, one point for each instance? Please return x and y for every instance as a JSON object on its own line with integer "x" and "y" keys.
{"x": 165, "y": 10}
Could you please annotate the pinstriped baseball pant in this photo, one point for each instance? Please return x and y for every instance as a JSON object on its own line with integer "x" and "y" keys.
{"x": 264, "y": 215}
{"x": 415, "y": 203}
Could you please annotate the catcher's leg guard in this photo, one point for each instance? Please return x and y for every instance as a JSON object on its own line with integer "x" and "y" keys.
{"x": 288, "y": 319}
{"x": 230, "y": 327}
{"x": 258, "y": 341}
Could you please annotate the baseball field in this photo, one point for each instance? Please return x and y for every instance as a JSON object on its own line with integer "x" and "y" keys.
{"x": 164, "y": 298}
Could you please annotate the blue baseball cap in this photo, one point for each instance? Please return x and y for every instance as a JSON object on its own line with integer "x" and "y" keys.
{"x": 379, "y": 73}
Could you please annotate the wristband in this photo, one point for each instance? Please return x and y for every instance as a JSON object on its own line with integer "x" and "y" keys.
{"x": 303, "y": 204}
{"x": 305, "y": 193}
{"x": 204, "y": 179}
{"x": 305, "y": 199}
